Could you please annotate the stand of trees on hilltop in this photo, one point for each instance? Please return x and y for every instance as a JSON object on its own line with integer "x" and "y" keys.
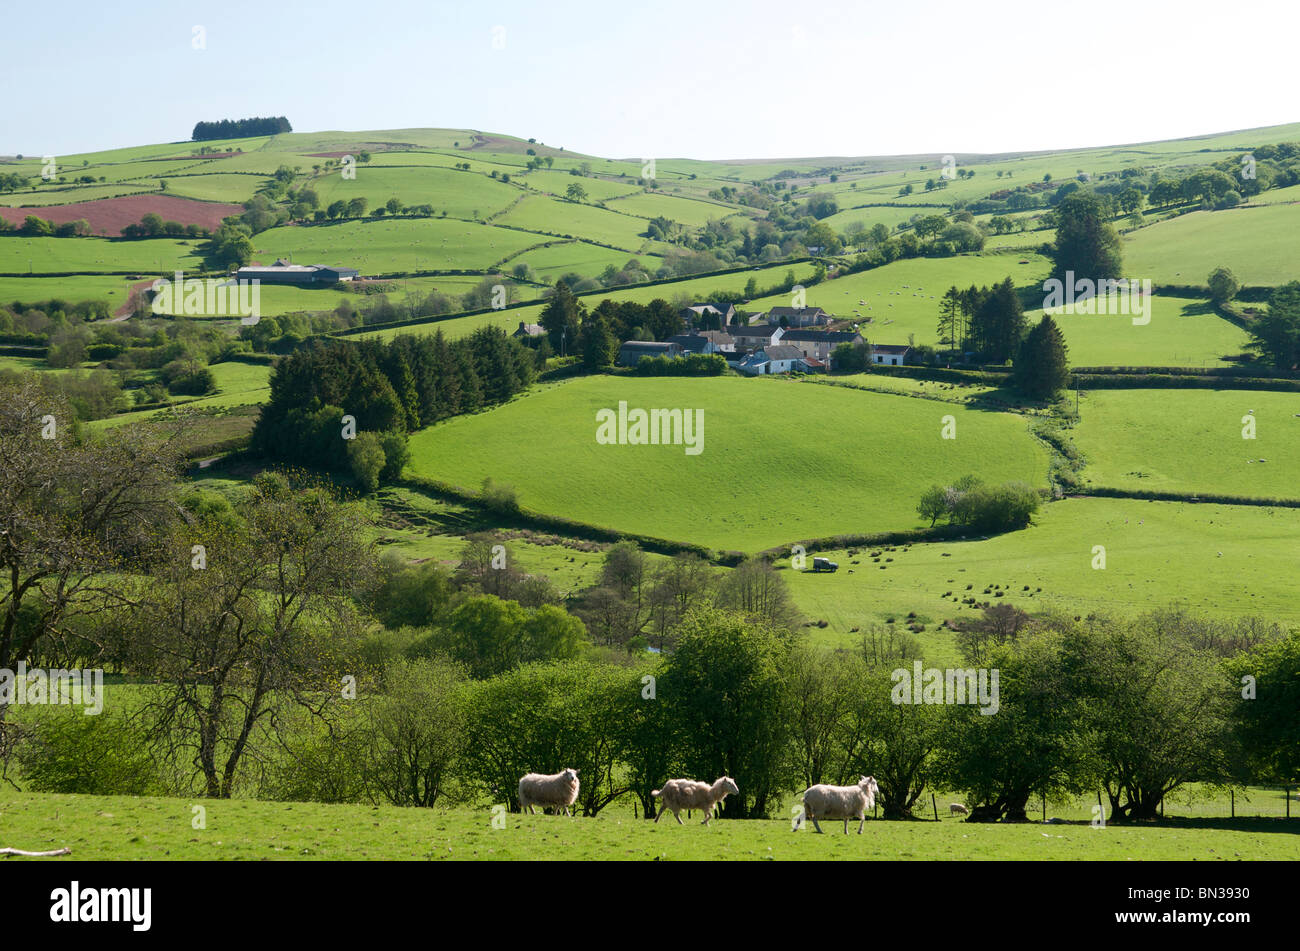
{"x": 240, "y": 128}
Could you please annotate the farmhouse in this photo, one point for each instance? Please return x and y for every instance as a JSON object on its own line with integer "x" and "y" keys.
{"x": 759, "y": 335}
{"x": 708, "y": 341}
{"x": 633, "y": 350}
{"x": 890, "y": 356}
{"x": 773, "y": 359}
{"x": 526, "y": 331}
{"x": 819, "y": 343}
{"x": 694, "y": 313}
{"x": 798, "y": 316}
{"x": 299, "y": 275}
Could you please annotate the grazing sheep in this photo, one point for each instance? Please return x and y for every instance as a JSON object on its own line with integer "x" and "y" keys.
{"x": 689, "y": 794}
{"x": 957, "y": 809}
{"x": 559, "y": 790}
{"x": 839, "y": 802}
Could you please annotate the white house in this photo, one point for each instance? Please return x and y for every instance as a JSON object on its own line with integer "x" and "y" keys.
{"x": 887, "y": 355}
{"x": 772, "y": 359}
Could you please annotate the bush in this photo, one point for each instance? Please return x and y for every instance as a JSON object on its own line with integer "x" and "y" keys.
{"x": 367, "y": 460}
{"x": 66, "y": 751}
{"x": 501, "y": 499}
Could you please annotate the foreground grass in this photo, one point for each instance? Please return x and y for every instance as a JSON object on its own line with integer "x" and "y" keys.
{"x": 119, "y": 827}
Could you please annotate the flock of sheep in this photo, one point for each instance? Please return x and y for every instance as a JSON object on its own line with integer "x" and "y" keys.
{"x": 559, "y": 791}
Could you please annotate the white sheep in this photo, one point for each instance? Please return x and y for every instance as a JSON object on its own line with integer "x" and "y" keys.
{"x": 679, "y": 794}
{"x": 957, "y": 809}
{"x": 558, "y": 790}
{"x": 839, "y": 802}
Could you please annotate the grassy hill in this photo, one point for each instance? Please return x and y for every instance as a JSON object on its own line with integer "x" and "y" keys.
{"x": 781, "y": 461}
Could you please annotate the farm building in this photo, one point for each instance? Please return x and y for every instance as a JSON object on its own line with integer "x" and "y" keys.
{"x": 819, "y": 343}
{"x": 694, "y": 313}
{"x": 633, "y": 350}
{"x": 798, "y": 316}
{"x": 758, "y": 335}
{"x": 708, "y": 341}
{"x": 528, "y": 330}
{"x": 890, "y": 356}
{"x": 773, "y": 359}
{"x": 299, "y": 275}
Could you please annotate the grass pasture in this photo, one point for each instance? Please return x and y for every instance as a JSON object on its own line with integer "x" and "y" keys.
{"x": 1258, "y": 244}
{"x": 1157, "y": 553}
{"x": 1192, "y": 441}
{"x": 391, "y": 246}
{"x": 1180, "y": 333}
{"x": 120, "y": 827}
{"x": 781, "y": 461}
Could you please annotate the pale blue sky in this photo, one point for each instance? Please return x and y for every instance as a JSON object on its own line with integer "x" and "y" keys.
{"x": 661, "y": 78}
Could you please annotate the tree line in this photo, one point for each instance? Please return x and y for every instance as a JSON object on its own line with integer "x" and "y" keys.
{"x": 395, "y": 387}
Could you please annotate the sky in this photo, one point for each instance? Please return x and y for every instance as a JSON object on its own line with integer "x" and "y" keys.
{"x": 655, "y": 78}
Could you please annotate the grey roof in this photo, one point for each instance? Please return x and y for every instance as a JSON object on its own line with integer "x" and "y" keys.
{"x": 649, "y": 346}
{"x": 795, "y": 311}
{"x": 782, "y": 352}
{"x": 757, "y": 330}
{"x": 828, "y": 336}
{"x": 890, "y": 348}
{"x": 695, "y": 343}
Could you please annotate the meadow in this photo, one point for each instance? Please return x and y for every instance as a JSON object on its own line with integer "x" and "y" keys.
{"x": 1258, "y": 244}
{"x": 125, "y": 828}
{"x": 1217, "y": 560}
{"x": 780, "y": 462}
{"x": 152, "y": 256}
{"x": 1181, "y": 332}
{"x": 1192, "y": 441}
{"x": 394, "y": 246}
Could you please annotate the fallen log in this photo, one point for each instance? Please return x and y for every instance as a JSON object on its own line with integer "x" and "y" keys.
{"x": 35, "y": 855}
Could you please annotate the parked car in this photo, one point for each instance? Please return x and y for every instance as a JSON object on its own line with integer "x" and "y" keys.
{"x": 824, "y": 564}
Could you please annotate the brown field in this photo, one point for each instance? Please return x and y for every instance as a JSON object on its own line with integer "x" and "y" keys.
{"x": 110, "y": 215}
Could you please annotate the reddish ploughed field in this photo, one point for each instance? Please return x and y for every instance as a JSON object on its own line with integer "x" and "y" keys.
{"x": 110, "y": 215}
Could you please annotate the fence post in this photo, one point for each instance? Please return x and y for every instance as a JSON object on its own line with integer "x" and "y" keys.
{"x": 936, "y": 807}
{"x": 1044, "y": 807}
{"x": 1288, "y": 802}
{"x": 1232, "y": 798}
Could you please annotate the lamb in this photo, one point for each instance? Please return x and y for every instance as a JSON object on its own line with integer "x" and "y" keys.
{"x": 688, "y": 794}
{"x": 839, "y": 802}
{"x": 559, "y": 790}
{"x": 957, "y": 809}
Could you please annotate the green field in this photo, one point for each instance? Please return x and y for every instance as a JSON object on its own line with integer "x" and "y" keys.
{"x": 1218, "y": 560}
{"x": 160, "y": 255}
{"x": 120, "y": 827}
{"x": 782, "y": 461}
{"x": 552, "y": 216}
{"x": 1191, "y": 441}
{"x": 1180, "y": 333}
{"x": 1258, "y": 244}
{"x": 460, "y": 194}
{"x": 384, "y": 247}
{"x": 115, "y": 290}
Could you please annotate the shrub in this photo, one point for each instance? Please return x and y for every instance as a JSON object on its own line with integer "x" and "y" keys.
{"x": 66, "y": 751}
